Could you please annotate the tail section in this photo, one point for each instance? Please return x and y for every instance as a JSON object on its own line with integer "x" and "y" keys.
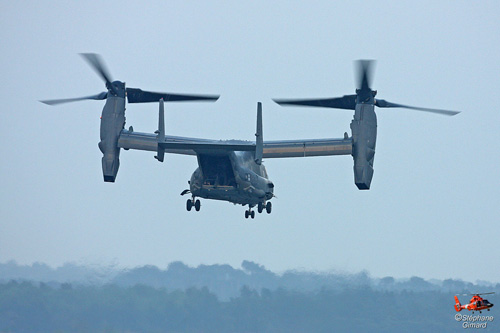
{"x": 458, "y": 307}
{"x": 160, "y": 133}
{"x": 259, "y": 143}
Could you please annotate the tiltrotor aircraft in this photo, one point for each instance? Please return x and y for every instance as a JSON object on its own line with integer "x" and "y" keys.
{"x": 232, "y": 170}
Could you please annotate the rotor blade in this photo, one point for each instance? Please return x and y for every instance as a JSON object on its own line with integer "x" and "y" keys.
{"x": 364, "y": 74}
{"x": 100, "y": 96}
{"x": 97, "y": 64}
{"x": 385, "y": 104}
{"x": 135, "y": 95}
{"x": 345, "y": 102}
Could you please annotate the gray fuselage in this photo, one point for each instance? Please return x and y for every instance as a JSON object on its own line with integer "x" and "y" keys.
{"x": 232, "y": 176}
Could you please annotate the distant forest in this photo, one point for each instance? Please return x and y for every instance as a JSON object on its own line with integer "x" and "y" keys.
{"x": 219, "y": 298}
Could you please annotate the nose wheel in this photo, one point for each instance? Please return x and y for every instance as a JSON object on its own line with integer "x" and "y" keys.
{"x": 190, "y": 203}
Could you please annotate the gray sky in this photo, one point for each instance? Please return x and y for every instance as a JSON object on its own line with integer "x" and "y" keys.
{"x": 434, "y": 204}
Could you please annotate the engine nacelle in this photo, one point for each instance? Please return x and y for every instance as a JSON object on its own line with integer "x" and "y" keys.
{"x": 112, "y": 123}
{"x": 364, "y": 137}
{"x": 110, "y": 164}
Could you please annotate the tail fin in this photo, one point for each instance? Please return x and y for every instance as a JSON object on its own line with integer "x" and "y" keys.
{"x": 160, "y": 133}
{"x": 458, "y": 307}
{"x": 259, "y": 144}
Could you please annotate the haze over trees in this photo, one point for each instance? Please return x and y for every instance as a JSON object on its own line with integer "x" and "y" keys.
{"x": 220, "y": 298}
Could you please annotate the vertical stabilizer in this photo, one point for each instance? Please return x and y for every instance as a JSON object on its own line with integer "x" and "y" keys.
{"x": 458, "y": 307}
{"x": 161, "y": 132}
{"x": 259, "y": 139}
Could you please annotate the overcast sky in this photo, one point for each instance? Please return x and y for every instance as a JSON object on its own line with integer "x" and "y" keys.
{"x": 433, "y": 209}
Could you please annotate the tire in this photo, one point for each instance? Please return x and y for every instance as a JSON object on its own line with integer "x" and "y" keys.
{"x": 189, "y": 205}
{"x": 260, "y": 207}
{"x": 197, "y": 205}
{"x": 252, "y": 214}
{"x": 246, "y": 214}
{"x": 269, "y": 207}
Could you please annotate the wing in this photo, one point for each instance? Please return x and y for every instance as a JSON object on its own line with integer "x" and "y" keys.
{"x": 203, "y": 146}
{"x": 272, "y": 149}
{"x": 177, "y": 144}
{"x": 306, "y": 148}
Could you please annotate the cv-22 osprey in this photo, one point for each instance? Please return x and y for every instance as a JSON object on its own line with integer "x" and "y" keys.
{"x": 232, "y": 170}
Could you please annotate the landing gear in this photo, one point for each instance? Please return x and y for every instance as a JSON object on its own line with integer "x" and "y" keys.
{"x": 249, "y": 213}
{"x": 260, "y": 208}
{"x": 192, "y": 202}
{"x": 268, "y": 207}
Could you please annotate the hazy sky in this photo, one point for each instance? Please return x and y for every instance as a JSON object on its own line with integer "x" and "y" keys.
{"x": 433, "y": 210}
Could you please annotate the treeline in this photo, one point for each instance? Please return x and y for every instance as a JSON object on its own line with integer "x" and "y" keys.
{"x": 31, "y": 307}
{"x": 226, "y": 281}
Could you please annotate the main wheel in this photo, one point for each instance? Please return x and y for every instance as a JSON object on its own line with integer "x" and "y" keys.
{"x": 197, "y": 205}
{"x": 252, "y": 214}
{"x": 189, "y": 205}
{"x": 269, "y": 207}
{"x": 260, "y": 207}
{"x": 246, "y": 214}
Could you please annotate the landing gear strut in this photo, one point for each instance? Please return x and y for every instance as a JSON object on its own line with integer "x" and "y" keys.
{"x": 268, "y": 207}
{"x": 192, "y": 202}
{"x": 249, "y": 212}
